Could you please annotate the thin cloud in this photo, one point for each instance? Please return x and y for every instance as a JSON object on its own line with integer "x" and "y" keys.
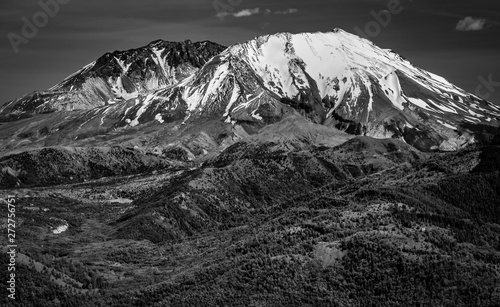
{"x": 242, "y": 13}
{"x": 256, "y": 11}
{"x": 472, "y": 24}
{"x": 247, "y": 12}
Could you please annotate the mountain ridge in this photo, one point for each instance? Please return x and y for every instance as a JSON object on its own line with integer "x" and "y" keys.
{"x": 120, "y": 75}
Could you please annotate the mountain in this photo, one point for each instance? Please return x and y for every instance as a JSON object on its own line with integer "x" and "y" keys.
{"x": 334, "y": 79}
{"x": 119, "y": 76}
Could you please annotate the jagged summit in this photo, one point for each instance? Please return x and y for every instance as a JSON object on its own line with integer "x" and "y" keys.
{"x": 119, "y": 76}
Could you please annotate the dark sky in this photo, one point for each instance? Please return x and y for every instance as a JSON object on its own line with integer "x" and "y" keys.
{"x": 457, "y": 39}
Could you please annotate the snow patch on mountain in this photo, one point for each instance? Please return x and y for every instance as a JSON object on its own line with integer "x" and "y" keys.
{"x": 125, "y": 67}
{"x": 234, "y": 96}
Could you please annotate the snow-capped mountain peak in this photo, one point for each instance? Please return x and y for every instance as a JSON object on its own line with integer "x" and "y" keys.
{"x": 333, "y": 78}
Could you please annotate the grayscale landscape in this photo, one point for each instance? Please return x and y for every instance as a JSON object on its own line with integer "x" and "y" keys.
{"x": 270, "y": 166}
